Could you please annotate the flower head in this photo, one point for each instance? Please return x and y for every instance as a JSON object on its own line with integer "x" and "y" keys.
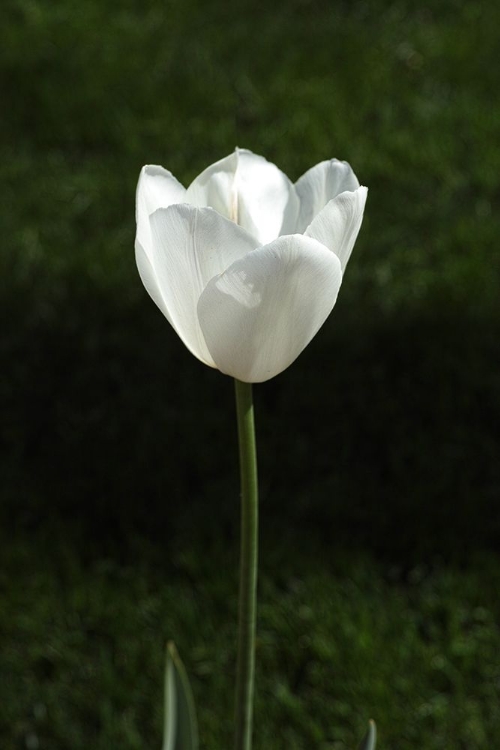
{"x": 245, "y": 265}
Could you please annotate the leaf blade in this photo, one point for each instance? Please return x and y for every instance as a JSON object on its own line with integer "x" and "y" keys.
{"x": 369, "y": 741}
{"x": 180, "y": 731}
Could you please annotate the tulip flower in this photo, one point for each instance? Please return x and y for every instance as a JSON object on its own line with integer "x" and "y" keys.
{"x": 245, "y": 265}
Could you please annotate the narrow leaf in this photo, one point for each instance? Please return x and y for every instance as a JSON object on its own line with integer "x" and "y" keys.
{"x": 369, "y": 741}
{"x": 180, "y": 726}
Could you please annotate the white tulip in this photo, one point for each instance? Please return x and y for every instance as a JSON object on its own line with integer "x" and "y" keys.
{"x": 245, "y": 265}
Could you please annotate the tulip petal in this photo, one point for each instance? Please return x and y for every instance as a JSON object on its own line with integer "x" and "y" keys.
{"x": 264, "y": 309}
{"x": 338, "y": 224}
{"x": 157, "y": 188}
{"x": 250, "y": 191}
{"x": 189, "y": 247}
{"x": 321, "y": 184}
{"x": 214, "y": 187}
{"x": 148, "y": 278}
{"x": 267, "y": 201}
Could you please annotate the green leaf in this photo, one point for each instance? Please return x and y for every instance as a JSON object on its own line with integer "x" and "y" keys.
{"x": 369, "y": 741}
{"x": 180, "y": 727}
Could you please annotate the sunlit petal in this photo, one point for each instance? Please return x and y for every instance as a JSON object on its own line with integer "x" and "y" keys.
{"x": 338, "y": 224}
{"x": 250, "y": 191}
{"x": 157, "y": 188}
{"x": 189, "y": 246}
{"x": 267, "y": 201}
{"x": 266, "y": 307}
{"x": 321, "y": 184}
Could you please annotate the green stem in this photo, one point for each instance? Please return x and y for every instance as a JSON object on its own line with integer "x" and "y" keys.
{"x": 248, "y": 567}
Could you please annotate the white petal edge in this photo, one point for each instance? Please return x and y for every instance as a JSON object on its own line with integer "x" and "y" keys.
{"x": 250, "y": 191}
{"x": 338, "y": 224}
{"x": 321, "y": 184}
{"x": 156, "y": 188}
{"x": 189, "y": 247}
{"x": 148, "y": 278}
{"x": 265, "y": 308}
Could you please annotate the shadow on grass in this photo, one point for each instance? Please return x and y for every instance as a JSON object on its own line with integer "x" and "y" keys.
{"x": 381, "y": 436}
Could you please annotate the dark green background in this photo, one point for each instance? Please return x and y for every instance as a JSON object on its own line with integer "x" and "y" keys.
{"x": 378, "y": 448}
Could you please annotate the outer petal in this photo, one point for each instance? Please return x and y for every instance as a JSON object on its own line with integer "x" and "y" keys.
{"x": 263, "y": 311}
{"x": 250, "y": 191}
{"x": 189, "y": 246}
{"x": 148, "y": 278}
{"x": 338, "y": 224}
{"x": 321, "y": 184}
{"x": 157, "y": 188}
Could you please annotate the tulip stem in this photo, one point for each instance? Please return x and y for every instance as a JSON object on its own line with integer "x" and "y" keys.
{"x": 248, "y": 567}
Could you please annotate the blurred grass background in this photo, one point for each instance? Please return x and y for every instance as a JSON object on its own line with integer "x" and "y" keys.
{"x": 378, "y": 448}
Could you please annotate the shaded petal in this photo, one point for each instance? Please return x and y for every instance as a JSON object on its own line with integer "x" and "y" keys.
{"x": 148, "y": 278}
{"x": 250, "y": 191}
{"x": 214, "y": 187}
{"x": 338, "y": 224}
{"x": 263, "y": 311}
{"x": 321, "y": 184}
{"x": 190, "y": 246}
{"x": 157, "y": 188}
